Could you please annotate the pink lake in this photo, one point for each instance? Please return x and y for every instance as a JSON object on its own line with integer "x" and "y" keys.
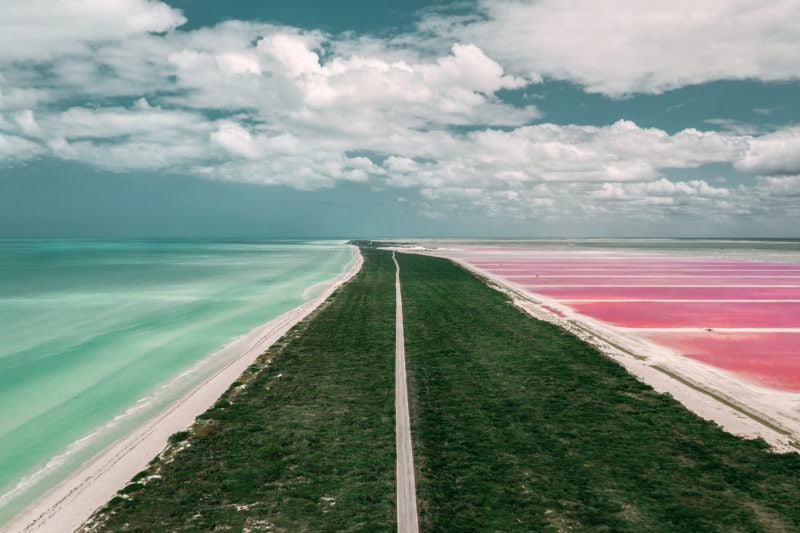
{"x": 661, "y": 281}
{"x": 670, "y": 293}
{"x": 772, "y": 359}
{"x": 664, "y": 293}
{"x": 636, "y": 264}
{"x": 643, "y": 314}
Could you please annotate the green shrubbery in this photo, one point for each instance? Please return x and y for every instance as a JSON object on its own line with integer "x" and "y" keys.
{"x": 519, "y": 425}
{"x": 307, "y": 445}
{"x": 178, "y": 437}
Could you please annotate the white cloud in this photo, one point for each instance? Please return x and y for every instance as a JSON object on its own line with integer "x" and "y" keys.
{"x": 42, "y": 29}
{"x": 620, "y": 152}
{"x": 21, "y": 97}
{"x": 281, "y": 100}
{"x": 131, "y": 154}
{"x": 309, "y": 110}
{"x": 306, "y": 171}
{"x": 13, "y": 148}
{"x": 115, "y": 122}
{"x": 455, "y": 89}
{"x": 620, "y": 47}
{"x": 27, "y": 123}
{"x": 469, "y": 68}
{"x": 293, "y": 52}
{"x": 692, "y": 190}
{"x": 236, "y": 140}
{"x": 775, "y": 153}
{"x": 401, "y": 165}
{"x": 649, "y": 202}
{"x": 784, "y": 187}
{"x": 121, "y": 139}
{"x": 282, "y": 74}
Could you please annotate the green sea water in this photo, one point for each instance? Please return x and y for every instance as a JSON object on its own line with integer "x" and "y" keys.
{"x": 97, "y": 336}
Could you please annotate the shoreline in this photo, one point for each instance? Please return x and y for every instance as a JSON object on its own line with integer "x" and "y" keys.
{"x": 741, "y": 408}
{"x": 69, "y": 504}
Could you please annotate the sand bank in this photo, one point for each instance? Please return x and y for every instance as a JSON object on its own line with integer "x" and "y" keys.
{"x": 68, "y": 505}
{"x": 740, "y": 407}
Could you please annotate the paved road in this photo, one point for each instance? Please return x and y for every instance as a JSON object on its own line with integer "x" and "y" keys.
{"x": 406, "y": 486}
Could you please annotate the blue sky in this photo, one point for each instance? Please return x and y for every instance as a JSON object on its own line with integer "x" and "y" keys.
{"x": 399, "y": 118}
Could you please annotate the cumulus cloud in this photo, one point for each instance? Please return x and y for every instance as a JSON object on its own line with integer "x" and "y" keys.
{"x": 620, "y": 47}
{"x": 293, "y": 52}
{"x": 120, "y": 139}
{"x": 783, "y": 187}
{"x": 454, "y": 89}
{"x": 276, "y": 105}
{"x": 44, "y": 30}
{"x": 776, "y": 153}
{"x": 237, "y": 140}
{"x": 276, "y": 71}
{"x": 129, "y": 154}
{"x": 115, "y": 122}
{"x": 306, "y": 171}
{"x": 13, "y": 148}
{"x": 660, "y": 188}
{"x": 621, "y": 152}
{"x": 277, "y": 100}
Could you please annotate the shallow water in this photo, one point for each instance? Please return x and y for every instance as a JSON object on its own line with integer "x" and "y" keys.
{"x": 97, "y": 336}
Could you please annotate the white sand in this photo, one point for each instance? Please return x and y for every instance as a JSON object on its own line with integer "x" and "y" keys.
{"x": 67, "y": 506}
{"x": 771, "y": 414}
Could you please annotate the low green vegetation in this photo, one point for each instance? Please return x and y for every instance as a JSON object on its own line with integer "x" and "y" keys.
{"x": 304, "y": 441}
{"x": 518, "y": 425}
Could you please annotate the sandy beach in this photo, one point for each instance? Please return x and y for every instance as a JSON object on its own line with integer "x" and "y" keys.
{"x": 67, "y": 506}
{"x": 739, "y": 406}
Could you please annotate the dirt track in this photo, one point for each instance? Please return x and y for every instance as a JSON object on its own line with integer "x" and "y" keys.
{"x": 406, "y": 486}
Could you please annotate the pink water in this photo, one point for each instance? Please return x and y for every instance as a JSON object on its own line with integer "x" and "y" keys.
{"x": 637, "y": 263}
{"x": 623, "y": 289}
{"x": 661, "y": 281}
{"x": 768, "y": 358}
{"x": 693, "y": 314}
{"x": 670, "y": 293}
{"x": 623, "y": 270}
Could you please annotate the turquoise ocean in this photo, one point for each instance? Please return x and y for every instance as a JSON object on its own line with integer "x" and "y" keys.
{"x": 98, "y": 336}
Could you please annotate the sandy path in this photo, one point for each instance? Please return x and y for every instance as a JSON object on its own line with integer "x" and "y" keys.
{"x": 67, "y": 506}
{"x": 406, "y": 485}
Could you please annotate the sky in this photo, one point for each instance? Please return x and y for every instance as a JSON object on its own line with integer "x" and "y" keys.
{"x": 399, "y": 118}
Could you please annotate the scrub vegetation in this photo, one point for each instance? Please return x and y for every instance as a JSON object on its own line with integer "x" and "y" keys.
{"x": 517, "y": 425}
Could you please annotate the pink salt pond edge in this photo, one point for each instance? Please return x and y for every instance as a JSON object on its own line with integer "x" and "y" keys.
{"x": 768, "y": 358}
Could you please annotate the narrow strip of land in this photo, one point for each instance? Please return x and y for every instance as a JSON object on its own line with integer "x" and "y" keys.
{"x": 406, "y": 487}
{"x": 303, "y": 441}
{"x": 521, "y": 426}
{"x": 518, "y": 426}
